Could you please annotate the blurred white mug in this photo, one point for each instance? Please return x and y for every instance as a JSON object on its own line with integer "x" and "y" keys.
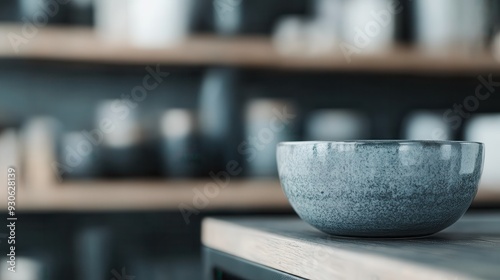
{"x": 426, "y": 125}
{"x": 159, "y": 23}
{"x": 451, "y": 25}
{"x": 485, "y": 128}
{"x": 264, "y": 130}
{"x": 369, "y": 25}
{"x": 336, "y": 125}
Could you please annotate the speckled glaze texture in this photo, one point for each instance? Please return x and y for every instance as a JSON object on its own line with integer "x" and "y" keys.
{"x": 380, "y": 188}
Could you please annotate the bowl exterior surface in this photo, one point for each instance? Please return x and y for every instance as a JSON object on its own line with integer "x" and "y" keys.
{"x": 380, "y": 188}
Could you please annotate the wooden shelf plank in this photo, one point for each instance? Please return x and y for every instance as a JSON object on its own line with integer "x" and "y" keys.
{"x": 487, "y": 195}
{"x": 151, "y": 195}
{"x": 83, "y": 44}
{"x": 168, "y": 195}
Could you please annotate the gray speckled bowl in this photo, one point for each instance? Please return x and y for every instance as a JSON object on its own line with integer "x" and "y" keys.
{"x": 380, "y": 188}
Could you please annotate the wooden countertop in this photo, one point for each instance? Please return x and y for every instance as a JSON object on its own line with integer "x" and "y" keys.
{"x": 470, "y": 249}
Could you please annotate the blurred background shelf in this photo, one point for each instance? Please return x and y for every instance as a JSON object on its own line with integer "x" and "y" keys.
{"x": 488, "y": 196}
{"x": 128, "y": 195}
{"x": 226, "y": 71}
{"x": 82, "y": 44}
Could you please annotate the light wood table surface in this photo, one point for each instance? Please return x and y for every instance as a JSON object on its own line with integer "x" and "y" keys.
{"x": 470, "y": 249}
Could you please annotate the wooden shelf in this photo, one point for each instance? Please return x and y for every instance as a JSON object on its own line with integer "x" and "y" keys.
{"x": 487, "y": 196}
{"x": 83, "y": 44}
{"x": 148, "y": 195}
{"x": 167, "y": 195}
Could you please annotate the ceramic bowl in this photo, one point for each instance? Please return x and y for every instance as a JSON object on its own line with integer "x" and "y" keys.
{"x": 380, "y": 188}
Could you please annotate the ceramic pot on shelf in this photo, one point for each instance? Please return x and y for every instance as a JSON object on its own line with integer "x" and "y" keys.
{"x": 369, "y": 25}
{"x": 427, "y": 125}
{"x": 264, "y": 129}
{"x": 179, "y": 145}
{"x": 485, "y": 128}
{"x": 336, "y": 125}
{"x": 447, "y": 27}
{"x": 120, "y": 151}
{"x": 219, "y": 118}
{"x": 159, "y": 23}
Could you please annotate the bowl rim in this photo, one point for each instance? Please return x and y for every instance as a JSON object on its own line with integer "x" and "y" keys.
{"x": 383, "y": 141}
